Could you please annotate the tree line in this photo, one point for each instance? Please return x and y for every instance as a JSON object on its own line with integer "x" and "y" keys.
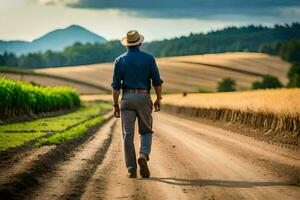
{"x": 289, "y": 51}
{"x": 77, "y": 54}
{"x": 232, "y": 39}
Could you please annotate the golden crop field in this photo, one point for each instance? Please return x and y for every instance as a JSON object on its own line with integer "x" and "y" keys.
{"x": 275, "y": 101}
{"x": 189, "y": 73}
{"x": 249, "y": 62}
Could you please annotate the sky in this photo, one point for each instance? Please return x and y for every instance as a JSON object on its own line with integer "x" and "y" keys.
{"x": 155, "y": 19}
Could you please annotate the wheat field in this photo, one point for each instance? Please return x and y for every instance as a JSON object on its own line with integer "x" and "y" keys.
{"x": 272, "y": 101}
{"x": 275, "y": 101}
{"x": 189, "y": 73}
{"x": 270, "y": 110}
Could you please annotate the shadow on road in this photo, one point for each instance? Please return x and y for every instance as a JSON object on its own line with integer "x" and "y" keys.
{"x": 222, "y": 183}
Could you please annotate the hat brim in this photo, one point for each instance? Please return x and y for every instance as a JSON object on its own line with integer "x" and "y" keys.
{"x": 129, "y": 44}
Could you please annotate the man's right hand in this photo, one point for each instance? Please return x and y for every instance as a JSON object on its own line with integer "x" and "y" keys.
{"x": 157, "y": 105}
{"x": 117, "y": 111}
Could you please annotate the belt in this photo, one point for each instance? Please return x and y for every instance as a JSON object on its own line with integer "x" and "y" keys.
{"x": 136, "y": 91}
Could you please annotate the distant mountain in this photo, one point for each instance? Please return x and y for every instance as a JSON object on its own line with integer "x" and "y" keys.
{"x": 56, "y": 40}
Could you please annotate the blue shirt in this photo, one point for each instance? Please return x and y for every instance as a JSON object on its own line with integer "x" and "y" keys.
{"x": 135, "y": 70}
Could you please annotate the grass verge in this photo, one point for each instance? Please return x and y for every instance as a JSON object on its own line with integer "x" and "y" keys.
{"x": 70, "y": 134}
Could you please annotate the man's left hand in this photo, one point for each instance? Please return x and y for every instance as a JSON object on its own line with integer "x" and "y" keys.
{"x": 157, "y": 105}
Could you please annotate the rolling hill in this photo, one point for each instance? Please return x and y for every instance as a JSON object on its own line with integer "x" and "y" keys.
{"x": 55, "y": 40}
{"x": 189, "y": 73}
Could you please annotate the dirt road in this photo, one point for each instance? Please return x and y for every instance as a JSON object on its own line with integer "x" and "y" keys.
{"x": 189, "y": 160}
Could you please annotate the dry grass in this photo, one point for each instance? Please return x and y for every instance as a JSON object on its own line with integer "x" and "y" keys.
{"x": 275, "y": 101}
{"x": 278, "y": 102}
{"x": 268, "y": 115}
{"x": 251, "y": 62}
{"x": 180, "y": 76}
{"x": 100, "y": 74}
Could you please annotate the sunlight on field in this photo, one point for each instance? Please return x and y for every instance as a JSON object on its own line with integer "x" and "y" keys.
{"x": 189, "y": 73}
{"x": 280, "y": 101}
{"x": 277, "y": 101}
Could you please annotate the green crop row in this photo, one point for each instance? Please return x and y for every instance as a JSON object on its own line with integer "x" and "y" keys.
{"x": 59, "y": 128}
{"x": 57, "y": 123}
{"x": 18, "y": 98}
{"x": 70, "y": 134}
{"x": 13, "y": 140}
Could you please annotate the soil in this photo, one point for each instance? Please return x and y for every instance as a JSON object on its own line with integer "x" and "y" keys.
{"x": 20, "y": 174}
{"x": 284, "y": 138}
{"x": 190, "y": 159}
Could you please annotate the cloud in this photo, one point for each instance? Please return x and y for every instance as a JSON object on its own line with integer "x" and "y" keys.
{"x": 187, "y": 8}
{"x": 54, "y": 2}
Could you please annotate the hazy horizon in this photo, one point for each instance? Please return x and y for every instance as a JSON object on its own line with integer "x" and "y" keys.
{"x": 31, "y": 19}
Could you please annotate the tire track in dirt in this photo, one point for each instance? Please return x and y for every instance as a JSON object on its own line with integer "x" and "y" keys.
{"x": 68, "y": 178}
{"x": 192, "y": 160}
{"x": 223, "y": 172}
{"x": 109, "y": 180}
{"x": 21, "y": 162}
{"x": 281, "y": 162}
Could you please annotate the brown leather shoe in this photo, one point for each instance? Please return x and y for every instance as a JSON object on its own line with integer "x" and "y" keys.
{"x": 144, "y": 170}
{"x": 132, "y": 174}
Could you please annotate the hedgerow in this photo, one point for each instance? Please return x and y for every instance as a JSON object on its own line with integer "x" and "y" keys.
{"x": 19, "y": 98}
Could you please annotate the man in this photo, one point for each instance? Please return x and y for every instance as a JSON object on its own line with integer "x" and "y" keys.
{"x": 133, "y": 73}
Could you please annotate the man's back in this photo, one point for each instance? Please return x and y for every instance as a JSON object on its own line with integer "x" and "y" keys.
{"x": 135, "y": 70}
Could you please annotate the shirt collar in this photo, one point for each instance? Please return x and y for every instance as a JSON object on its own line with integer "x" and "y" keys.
{"x": 133, "y": 49}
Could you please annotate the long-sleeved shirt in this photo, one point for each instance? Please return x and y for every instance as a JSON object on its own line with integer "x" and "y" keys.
{"x": 135, "y": 69}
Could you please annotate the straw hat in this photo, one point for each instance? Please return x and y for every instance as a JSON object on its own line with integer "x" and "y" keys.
{"x": 132, "y": 38}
